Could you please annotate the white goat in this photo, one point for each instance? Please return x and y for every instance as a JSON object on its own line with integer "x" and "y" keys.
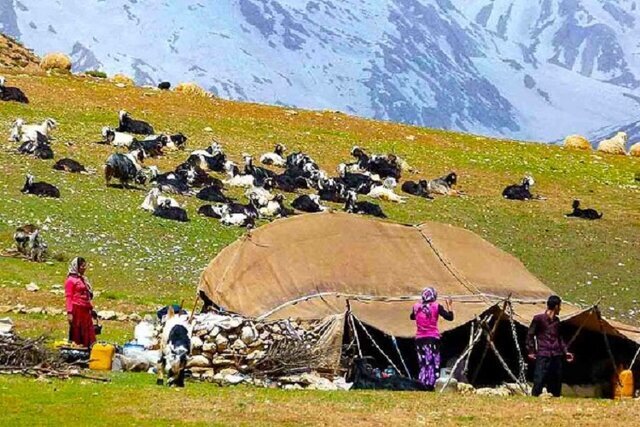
{"x": 236, "y": 179}
{"x": 117, "y": 139}
{"x": 155, "y": 198}
{"x": 24, "y": 132}
{"x": 384, "y": 191}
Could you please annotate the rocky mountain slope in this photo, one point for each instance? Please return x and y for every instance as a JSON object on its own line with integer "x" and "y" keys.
{"x": 531, "y": 70}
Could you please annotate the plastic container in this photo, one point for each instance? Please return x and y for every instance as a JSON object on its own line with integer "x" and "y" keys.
{"x": 622, "y": 383}
{"x": 101, "y": 357}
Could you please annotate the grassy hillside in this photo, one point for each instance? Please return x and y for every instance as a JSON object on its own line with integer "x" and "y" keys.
{"x": 138, "y": 261}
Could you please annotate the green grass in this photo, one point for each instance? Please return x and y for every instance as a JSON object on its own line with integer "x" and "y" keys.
{"x": 134, "y": 399}
{"x": 138, "y": 261}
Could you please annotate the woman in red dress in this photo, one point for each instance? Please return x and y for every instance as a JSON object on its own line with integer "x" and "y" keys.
{"x": 79, "y": 294}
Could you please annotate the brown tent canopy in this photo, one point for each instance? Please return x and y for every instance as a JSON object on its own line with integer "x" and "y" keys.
{"x": 309, "y": 266}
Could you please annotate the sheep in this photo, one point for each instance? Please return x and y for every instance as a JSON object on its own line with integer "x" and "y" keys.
{"x": 443, "y": 185}
{"x": 275, "y": 208}
{"x": 125, "y": 167}
{"x": 69, "y": 165}
{"x": 115, "y": 138}
{"x": 175, "y": 348}
{"x": 127, "y": 124}
{"x": 191, "y": 88}
{"x": 276, "y": 158}
{"x": 308, "y": 203}
{"x": 212, "y": 211}
{"x": 635, "y": 150}
{"x": 235, "y": 178}
{"x": 41, "y": 189}
{"x": 519, "y": 191}
{"x": 352, "y": 205}
{"x": 167, "y": 211}
{"x": 614, "y": 145}
{"x": 155, "y": 198}
{"x": 384, "y": 191}
{"x": 30, "y": 132}
{"x": 164, "y": 86}
{"x": 56, "y": 62}
{"x": 212, "y": 194}
{"x": 583, "y": 213}
{"x": 420, "y": 188}
{"x": 12, "y": 93}
{"x": 577, "y": 142}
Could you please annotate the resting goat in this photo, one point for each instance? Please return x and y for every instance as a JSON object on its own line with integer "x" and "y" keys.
{"x": 167, "y": 210}
{"x": 127, "y": 124}
{"x": 308, "y": 203}
{"x": 385, "y": 191}
{"x": 583, "y": 213}
{"x": 519, "y": 191}
{"x": 175, "y": 349}
{"x": 42, "y": 189}
{"x": 69, "y": 165}
{"x": 443, "y": 185}
{"x": 24, "y": 132}
{"x": 29, "y": 242}
{"x": 276, "y": 158}
{"x": 352, "y": 205}
{"x": 117, "y": 139}
{"x": 8, "y": 93}
{"x": 155, "y": 198}
{"x": 420, "y": 188}
{"x": 38, "y": 148}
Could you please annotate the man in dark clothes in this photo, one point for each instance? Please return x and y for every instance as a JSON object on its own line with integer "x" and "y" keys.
{"x": 551, "y": 349}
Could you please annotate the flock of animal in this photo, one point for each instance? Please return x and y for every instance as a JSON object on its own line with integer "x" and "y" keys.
{"x": 375, "y": 176}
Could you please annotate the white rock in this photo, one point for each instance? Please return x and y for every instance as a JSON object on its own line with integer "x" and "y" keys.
{"x": 198, "y": 361}
{"x": 452, "y": 387}
{"x": 196, "y": 342}
{"x": 238, "y": 345}
{"x": 32, "y": 287}
{"x": 107, "y": 314}
{"x": 6, "y": 325}
{"x": 35, "y": 310}
{"x": 209, "y": 347}
{"x": 248, "y": 335}
{"x": 221, "y": 342}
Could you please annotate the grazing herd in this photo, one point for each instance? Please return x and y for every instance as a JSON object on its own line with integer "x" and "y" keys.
{"x": 372, "y": 175}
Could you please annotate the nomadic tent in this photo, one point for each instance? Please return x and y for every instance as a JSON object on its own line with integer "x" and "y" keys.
{"x": 330, "y": 264}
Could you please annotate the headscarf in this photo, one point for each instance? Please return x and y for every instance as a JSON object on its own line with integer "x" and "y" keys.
{"x": 74, "y": 271}
{"x": 429, "y": 295}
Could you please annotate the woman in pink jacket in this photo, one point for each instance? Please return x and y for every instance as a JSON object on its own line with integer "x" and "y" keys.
{"x": 78, "y": 293}
{"x": 426, "y": 314}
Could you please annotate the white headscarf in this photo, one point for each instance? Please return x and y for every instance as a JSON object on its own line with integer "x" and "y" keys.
{"x": 74, "y": 271}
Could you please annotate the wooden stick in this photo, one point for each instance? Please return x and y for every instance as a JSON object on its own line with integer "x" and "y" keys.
{"x": 193, "y": 312}
{"x": 486, "y": 348}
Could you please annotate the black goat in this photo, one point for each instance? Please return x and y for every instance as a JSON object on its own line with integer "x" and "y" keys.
{"x": 164, "y": 86}
{"x": 420, "y": 188}
{"x": 39, "y": 148}
{"x": 259, "y": 173}
{"x": 127, "y": 124}
{"x": 308, "y": 203}
{"x": 519, "y": 191}
{"x": 153, "y": 147}
{"x": 12, "y": 93}
{"x": 212, "y": 194}
{"x": 69, "y": 165}
{"x": 165, "y": 210}
{"x": 42, "y": 189}
{"x": 352, "y": 205}
{"x": 583, "y": 213}
{"x": 332, "y": 191}
{"x": 125, "y": 167}
{"x": 211, "y": 211}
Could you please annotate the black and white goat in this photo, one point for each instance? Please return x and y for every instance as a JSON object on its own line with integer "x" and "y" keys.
{"x": 30, "y": 243}
{"x": 235, "y": 214}
{"x": 588, "y": 213}
{"x": 115, "y": 138}
{"x": 41, "y": 189}
{"x": 236, "y": 179}
{"x": 152, "y": 147}
{"x": 212, "y": 194}
{"x": 420, "y": 188}
{"x": 385, "y": 166}
{"x": 167, "y": 210}
{"x": 519, "y": 191}
{"x": 127, "y": 124}
{"x": 332, "y": 191}
{"x": 172, "y": 182}
{"x": 126, "y": 168}
{"x": 177, "y": 141}
{"x": 358, "y": 182}
{"x": 38, "y": 148}
{"x": 212, "y": 158}
{"x": 69, "y": 165}
{"x": 352, "y": 205}
{"x": 275, "y": 208}
{"x": 210, "y": 211}
{"x": 175, "y": 348}
{"x": 309, "y": 203}
{"x": 155, "y": 198}
{"x": 21, "y": 131}
{"x": 259, "y": 174}
{"x": 8, "y": 93}
{"x": 443, "y": 185}
{"x": 276, "y": 158}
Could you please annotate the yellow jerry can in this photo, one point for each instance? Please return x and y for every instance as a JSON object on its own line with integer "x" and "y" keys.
{"x": 623, "y": 384}
{"x": 101, "y": 356}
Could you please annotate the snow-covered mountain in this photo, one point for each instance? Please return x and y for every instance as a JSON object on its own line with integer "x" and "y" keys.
{"x": 534, "y": 69}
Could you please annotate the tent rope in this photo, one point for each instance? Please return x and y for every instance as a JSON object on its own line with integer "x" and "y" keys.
{"x": 582, "y": 325}
{"x": 395, "y": 344}
{"x": 502, "y": 361}
{"x": 355, "y": 332}
{"x": 634, "y": 359}
{"x": 375, "y": 344}
{"x": 606, "y": 341}
{"x": 522, "y": 376}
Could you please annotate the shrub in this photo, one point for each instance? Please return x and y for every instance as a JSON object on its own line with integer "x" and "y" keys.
{"x": 96, "y": 73}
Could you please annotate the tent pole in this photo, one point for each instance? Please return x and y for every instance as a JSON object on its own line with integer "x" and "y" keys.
{"x": 486, "y": 348}
{"x": 606, "y": 340}
{"x": 634, "y": 359}
{"x": 353, "y": 328}
{"x": 502, "y": 361}
{"x": 473, "y": 339}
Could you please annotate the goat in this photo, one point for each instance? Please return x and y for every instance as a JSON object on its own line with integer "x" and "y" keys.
{"x": 443, "y": 185}
{"x": 153, "y": 147}
{"x": 236, "y": 179}
{"x": 332, "y": 191}
{"x": 275, "y": 208}
{"x": 16, "y": 130}
{"x": 172, "y": 182}
{"x": 212, "y": 211}
{"x": 361, "y": 157}
{"x": 29, "y": 242}
{"x": 308, "y": 203}
{"x": 155, "y": 198}
{"x": 385, "y": 166}
{"x": 8, "y": 93}
{"x": 164, "y": 85}
{"x": 175, "y": 348}
{"x": 384, "y": 191}
{"x": 519, "y": 191}
{"x": 275, "y": 158}
{"x": 198, "y": 177}
{"x": 261, "y": 193}
{"x": 286, "y": 183}
{"x": 38, "y": 148}
{"x": 168, "y": 211}
{"x": 212, "y": 161}
{"x": 69, "y": 165}
{"x": 420, "y": 188}
{"x": 127, "y": 124}
{"x": 115, "y": 138}
{"x": 174, "y": 142}
{"x": 238, "y": 219}
{"x": 352, "y": 205}
{"x": 30, "y": 132}
{"x": 212, "y": 194}
{"x": 361, "y": 183}
{"x": 258, "y": 173}
{"x": 42, "y": 189}
{"x": 583, "y": 213}
{"x": 125, "y": 167}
